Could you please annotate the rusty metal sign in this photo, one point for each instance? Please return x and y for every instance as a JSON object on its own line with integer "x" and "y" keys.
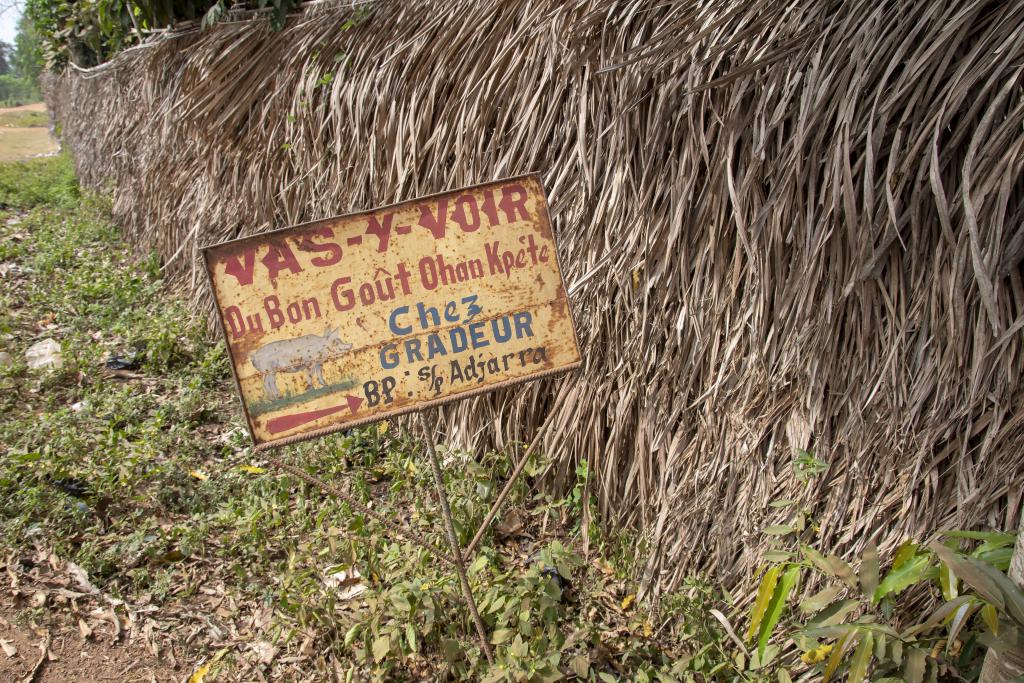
{"x": 353, "y": 319}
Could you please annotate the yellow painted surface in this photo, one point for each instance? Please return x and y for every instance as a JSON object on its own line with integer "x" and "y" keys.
{"x": 351, "y": 319}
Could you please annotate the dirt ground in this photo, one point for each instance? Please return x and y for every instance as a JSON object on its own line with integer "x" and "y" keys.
{"x": 55, "y": 627}
{"x": 70, "y": 655}
{"x": 23, "y": 143}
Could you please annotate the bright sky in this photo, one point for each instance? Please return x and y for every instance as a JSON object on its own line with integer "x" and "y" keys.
{"x": 10, "y": 12}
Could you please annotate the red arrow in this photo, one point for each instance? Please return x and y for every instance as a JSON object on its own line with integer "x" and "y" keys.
{"x": 286, "y": 422}
{"x": 353, "y": 403}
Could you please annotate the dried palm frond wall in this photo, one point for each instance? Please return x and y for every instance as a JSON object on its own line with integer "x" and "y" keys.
{"x": 785, "y": 225}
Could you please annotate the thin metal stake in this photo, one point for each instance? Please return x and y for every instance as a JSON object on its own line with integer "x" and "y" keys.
{"x": 397, "y": 529}
{"x": 504, "y": 492}
{"x": 453, "y": 540}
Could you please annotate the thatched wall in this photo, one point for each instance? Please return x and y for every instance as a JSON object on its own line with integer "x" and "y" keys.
{"x": 785, "y": 225}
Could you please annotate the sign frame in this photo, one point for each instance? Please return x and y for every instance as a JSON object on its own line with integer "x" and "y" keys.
{"x": 543, "y": 216}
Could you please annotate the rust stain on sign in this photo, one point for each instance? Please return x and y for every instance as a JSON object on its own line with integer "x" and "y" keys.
{"x": 352, "y": 319}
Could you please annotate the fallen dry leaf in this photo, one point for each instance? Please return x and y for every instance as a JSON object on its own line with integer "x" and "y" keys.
{"x": 81, "y": 578}
{"x": 9, "y": 649}
{"x": 306, "y": 648}
{"x": 343, "y": 578}
{"x": 265, "y": 651}
{"x": 111, "y": 616}
{"x": 84, "y": 629}
{"x": 510, "y": 525}
{"x": 199, "y": 675}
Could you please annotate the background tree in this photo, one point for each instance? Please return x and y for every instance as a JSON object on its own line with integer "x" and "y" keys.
{"x": 6, "y": 55}
{"x": 27, "y": 59}
{"x": 89, "y": 32}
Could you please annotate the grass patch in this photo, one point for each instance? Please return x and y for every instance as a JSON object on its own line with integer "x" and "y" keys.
{"x": 148, "y": 482}
{"x": 286, "y": 400}
{"x": 24, "y": 118}
{"x": 24, "y": 143}
{"x": 49, "y": 181}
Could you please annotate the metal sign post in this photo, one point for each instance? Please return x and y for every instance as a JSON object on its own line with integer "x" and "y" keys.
{"x": 354, "y": 319}
{"x": 453, "y": 541}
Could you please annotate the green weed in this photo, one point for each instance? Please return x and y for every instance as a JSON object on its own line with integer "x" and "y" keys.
{"x": 145, "y": 478}
{"x": 48, "y": 181}
{"x": 24, "y": 119}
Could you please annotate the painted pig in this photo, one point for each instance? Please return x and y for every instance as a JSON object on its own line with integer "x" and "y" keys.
{"x": 306, "y": 353}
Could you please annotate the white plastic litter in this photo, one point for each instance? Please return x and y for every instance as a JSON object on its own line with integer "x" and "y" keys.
{"x": 44, "y": 355}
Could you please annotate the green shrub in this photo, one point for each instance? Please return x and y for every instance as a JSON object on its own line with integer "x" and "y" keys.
{"x": 48, "y": 180}
{"x": 859, "y": 625}
{"x": 15, "y": 91}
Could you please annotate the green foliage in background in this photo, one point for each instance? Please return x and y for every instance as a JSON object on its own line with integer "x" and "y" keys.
{"x": 89, "y": 32}
{"x": 930, "y": 616}
{"x": 27, "y": 60}
{"x": 15, "y": 91}
{"x": 49, "y": 181}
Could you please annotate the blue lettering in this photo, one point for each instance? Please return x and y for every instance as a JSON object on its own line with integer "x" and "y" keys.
{"x": 523, "y": 321}
{"x": 501, "y": 336}
{"x": 476, "y": 334}
{"x": 393, "y": 321}
{"x": 457, "y": 335}
{"x": 412, "y": 350}
{"x": 435, "y": 347}
{"x": 472, "y": 310}
{"x": 424, "y": 312}
{"x": 389, "y": 357}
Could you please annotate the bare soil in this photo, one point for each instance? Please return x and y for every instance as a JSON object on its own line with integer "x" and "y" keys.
{"x": 24, "y": 143}
{"x": 57, "y": 652}
{"x": 35, "y": 106}
{"x": 56, "y": 627}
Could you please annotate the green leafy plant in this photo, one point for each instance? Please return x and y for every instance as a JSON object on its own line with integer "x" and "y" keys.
{"x": 857, "y": 624}
{"x": 807, "y": 465}
{"x": 92, "y": 31}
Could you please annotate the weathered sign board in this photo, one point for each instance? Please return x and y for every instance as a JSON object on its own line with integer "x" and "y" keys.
{"x": 353, "y": 319}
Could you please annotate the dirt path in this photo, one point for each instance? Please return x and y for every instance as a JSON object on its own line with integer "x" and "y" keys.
{"x": 56, "y": 627}
{"x": 35, "y": 106}
{"x": 17, "y": 143}
{"x": 63, "y": 652}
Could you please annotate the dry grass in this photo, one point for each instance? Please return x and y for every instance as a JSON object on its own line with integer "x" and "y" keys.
{"x": 17, "y": 144}
{"x": 24, "y": 132}
{"x": 785, "y": 225}
{"x": 23, "y": 119}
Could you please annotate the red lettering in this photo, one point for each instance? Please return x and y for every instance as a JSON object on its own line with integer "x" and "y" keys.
{"x": 493, "y": 258}
{"x": 233, "y": 322}
{"x": 489, "y": 208}
{"x": 232, "y": 266}
{"x": 513, "y": 200}
{"x": 343, "y": 298}
{"x": 272, "y": 305}
{"x": 462, "y": 218}
{"x": 382, "y": 232}
{"x": 332, "y": 249}
{"x": 280, "y": 257}
{"x": 403, "y": 275}
{"x": 435, "y": 223}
